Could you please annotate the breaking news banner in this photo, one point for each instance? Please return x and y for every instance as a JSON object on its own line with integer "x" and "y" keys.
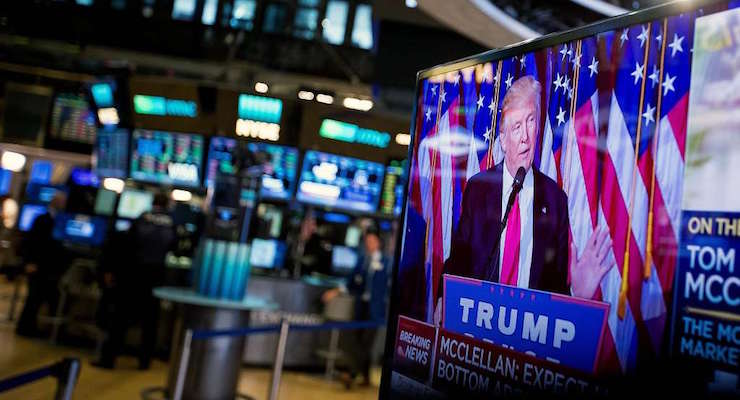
{"x": 560, "y": 329}
{"x": 438, "y": 363}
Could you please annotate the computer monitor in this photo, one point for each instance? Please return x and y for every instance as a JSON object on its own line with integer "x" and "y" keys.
{"x": 105, "y": 202}
{"x": 80, "y": 229}
{"x": 43, "y": 193}
{"x": 111, "y": 152}
{"x": 343, "y": 260}
{"x": 72, "y": 119}
{"x": 133, "y": 203}
{"x": 122, "y": 225}
{"x": 342, "y": 182}
{"x": 267, "y": 253}
{"x": 29, "y": 212}
{"x": 166, "y": 157}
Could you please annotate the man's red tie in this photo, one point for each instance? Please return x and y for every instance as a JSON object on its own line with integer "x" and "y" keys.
{"x": 510, "y": 266}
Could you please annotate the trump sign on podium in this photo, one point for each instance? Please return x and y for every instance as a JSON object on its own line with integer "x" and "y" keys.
{"x": 557, "y": 328}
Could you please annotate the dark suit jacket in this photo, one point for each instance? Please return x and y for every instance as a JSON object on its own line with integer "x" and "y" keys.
{"x": 474, "y": 239}
{"x": 375, "y": 309}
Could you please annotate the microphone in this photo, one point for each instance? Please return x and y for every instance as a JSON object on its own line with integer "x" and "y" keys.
{"x": 492, "y": 258}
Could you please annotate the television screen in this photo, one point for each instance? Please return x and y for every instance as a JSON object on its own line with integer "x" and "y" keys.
{"x": 279, "y": 179}
{"x": 393, "y": 186}
{"x": 568, "y": 201}
{"x": 83, "y": 177}
{"x": 29, "y": 212}
{"x": 6, "y": 178}
{"x": 133, "y": 203}
{"x": 267, "y": 253}
{"x": 105, "y": 202}
{"x": 111, "y": 152}
{"x": 80, "y": 229}
{"x": 342, "y": 182}
{"x": 72, "y": 119}
{"x": 42, "y": 194}
{"x": 41, "y": 171}
{"x": 122, "y": 225}
{"x": 343, "y": 260}
{"x": 166, "y": 157}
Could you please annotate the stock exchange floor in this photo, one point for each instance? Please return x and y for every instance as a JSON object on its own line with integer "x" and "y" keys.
{"x": 19, "y": 354}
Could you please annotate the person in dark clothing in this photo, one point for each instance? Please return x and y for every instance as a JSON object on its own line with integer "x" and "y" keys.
{"x": 368, "y": 284}
{"x": 45, "y": 260}
{"x": 133, "y": 266}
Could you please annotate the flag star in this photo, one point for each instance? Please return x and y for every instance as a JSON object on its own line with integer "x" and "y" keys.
{"x": 495, "y": 79}
{"x": 659, "y": 38}
{"x": 649, "y": 115}
{"x": 491, "y": 107}
{"x": 434, "y": 90}
{"x": 566, "y": 83}
{"x": 623, "y": 37}
{"x": 563, "y": 52}
{"x": 676, "y": 44}
{"x": 429, "y": 114}
{"x": 509, "y": 80}
{"x": 570, "y": 93}
{"x": 558, "y": 82}
{"x": 654, "y": 76}
{"x": 456, "y": 79}
{"x": 523, "y": 61}
{"x": 577, "y": 61}
{"x": 637, "y": 73}
{"x": 443, "y": 95}
{"x": 480, "y": 101}
{"x": 668, "y": 84}
{"x": 643, "y": 36}
{"x": 487, "y": 134}
{"x": 561, "y": 116}
{"x": 593, "y": 67}
{"x": 570, "y": 52}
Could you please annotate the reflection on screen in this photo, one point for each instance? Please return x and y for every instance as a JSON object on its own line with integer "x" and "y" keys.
{"x": 341, "y": 182}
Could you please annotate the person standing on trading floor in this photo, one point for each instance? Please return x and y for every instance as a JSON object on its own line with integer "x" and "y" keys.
{"x": 45, "y": 260}
{"x": 128, "y": 285}
{"x": 368, "y": 284}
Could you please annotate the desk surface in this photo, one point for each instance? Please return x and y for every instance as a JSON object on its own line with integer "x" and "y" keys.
{"x": 189, "y": 296}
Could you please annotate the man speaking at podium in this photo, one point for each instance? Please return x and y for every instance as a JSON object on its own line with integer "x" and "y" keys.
{"x": 533, "y": 249}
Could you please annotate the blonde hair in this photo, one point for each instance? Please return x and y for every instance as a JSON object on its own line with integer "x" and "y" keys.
{"x": 521, "y": 90}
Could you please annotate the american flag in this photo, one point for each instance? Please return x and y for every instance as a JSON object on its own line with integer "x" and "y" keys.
{"x": 613, "y": 128}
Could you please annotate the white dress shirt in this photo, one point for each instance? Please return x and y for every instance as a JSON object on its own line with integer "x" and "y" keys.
{"x": 526, "y": 197}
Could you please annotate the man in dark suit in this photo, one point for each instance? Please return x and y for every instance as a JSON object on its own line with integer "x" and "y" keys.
{"x": 533, "y": 248}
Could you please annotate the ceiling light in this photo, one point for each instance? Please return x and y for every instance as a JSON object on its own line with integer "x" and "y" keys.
{"x": 181, "y": 195}
{"x": 13, "y": 161}
{"x": 403, "y": 139}
{"x": 113, "y": 184}
{"x": 358, "y": 104}
{"x": 305, "y": 95}
{"x": 261, "y": 87}
{"x": 324, "y": 98}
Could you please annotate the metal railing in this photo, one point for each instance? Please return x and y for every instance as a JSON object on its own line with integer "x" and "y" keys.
{"x": 65, "y": 371}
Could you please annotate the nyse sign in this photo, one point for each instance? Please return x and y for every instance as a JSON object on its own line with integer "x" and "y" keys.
{"x": 257, "y": 129}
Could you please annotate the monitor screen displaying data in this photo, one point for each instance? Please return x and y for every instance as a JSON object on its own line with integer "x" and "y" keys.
{"x": 166, "y": 157}
{"x": 342, "y": 182}
{"x": 133, "y": 203}
{"x": 72, "y": 119}
{"x": 111, "y": 152}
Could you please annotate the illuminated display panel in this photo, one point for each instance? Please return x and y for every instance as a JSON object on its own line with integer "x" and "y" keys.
{"x": 111, "y": 152}
{"x": 393, "y": 187}
{"x": 72, "y": 119}
{"x": 166, "y": 157}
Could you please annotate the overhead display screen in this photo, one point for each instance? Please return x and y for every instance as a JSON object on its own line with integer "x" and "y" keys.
{"x": 572, "y": 215}
{"x": 166, "y": 157}
{"x": 342, "y": 182}
{"x": 111, "y": 152}
{"x": 72, "y": 119}
{"x": 279, "y": 179}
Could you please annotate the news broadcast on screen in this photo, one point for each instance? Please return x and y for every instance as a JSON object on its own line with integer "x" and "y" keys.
{"x": 571, "y": 219}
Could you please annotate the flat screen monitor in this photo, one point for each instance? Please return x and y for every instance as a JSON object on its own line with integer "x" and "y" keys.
{"x": 111, "y": 152}
{"x": 343, "y": 260}
{"x": 72, "y": 119}
{"x": 42, "y": 193}
{"x": 105, "y": 202}
{"x": 29, "y": 212}
{"x": 84, "y": 177}
{"x": 393, "y": 187}
{"x": 279, "y": 179}
{"x": 80, "y": 229}
{"x": 41, "y": 171}
{"x": 133, "y": 203}
{"x": 6, "y": 178}
{"x": 122, "y": 225}
{"x": 626, "y": 133}
{"x": 342, "y": 182}
{"x": 267, "y": 253}
{"x": 166, "y": 157}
